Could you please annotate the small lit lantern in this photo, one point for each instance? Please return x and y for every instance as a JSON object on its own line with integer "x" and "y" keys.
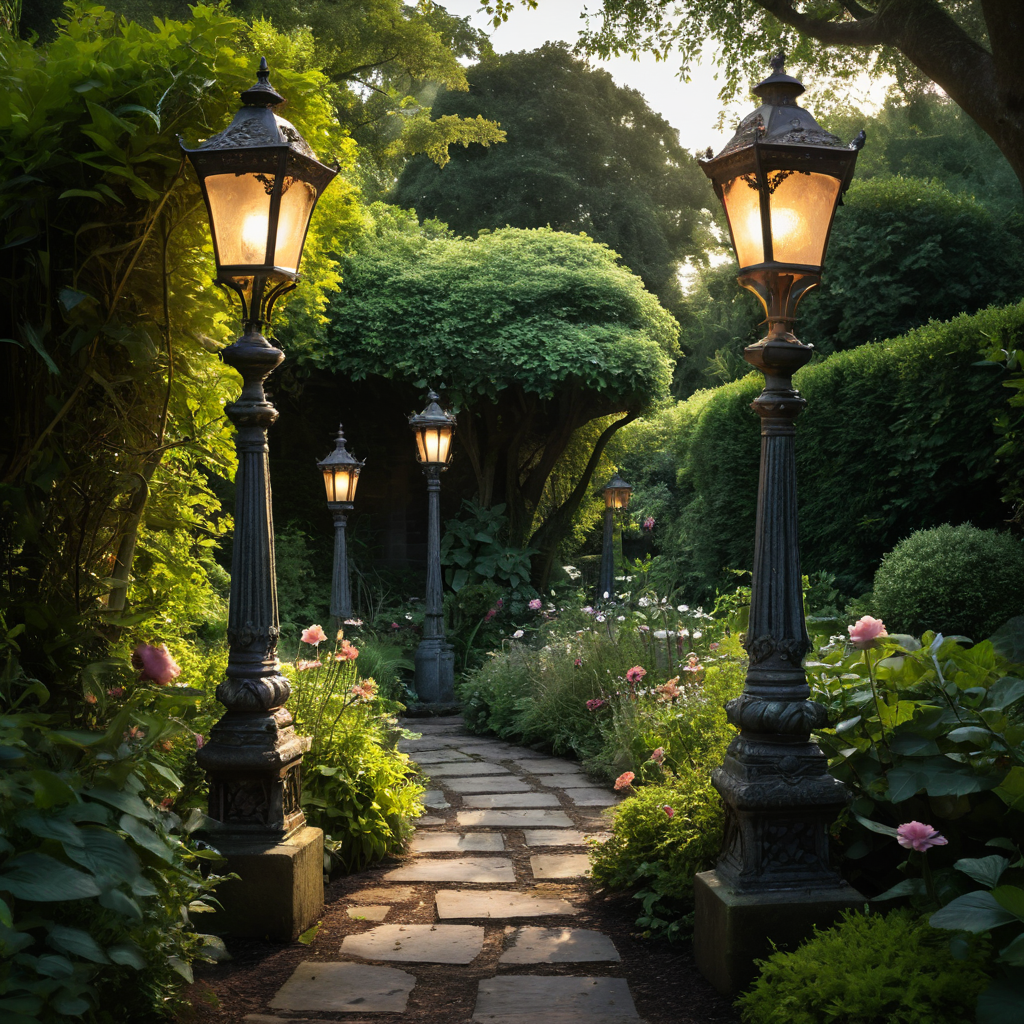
{"x": 616, "y": 493}
{"x": 433, "y": 429}
{"x": 780, "y": 180}
{"x": 341, "y": 474}
{"x": 260, "y": 180}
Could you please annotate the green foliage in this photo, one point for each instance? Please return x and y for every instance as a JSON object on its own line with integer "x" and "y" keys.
{"x": 658, "y": 855}
{"x": 473, "y": 551}
{"x": 896, "y": 437}
{"x": 903, "y": 251}
{"x": 303, "y": 578}
{"x": 582, "y": 154}
{"x": 966, "y": 580}
{"x": 866, "y": 969}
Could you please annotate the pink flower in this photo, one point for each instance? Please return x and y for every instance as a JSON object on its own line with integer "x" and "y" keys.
{"x": 649, "y": 523}
{"x": 915, "y": 835}
{"x": 395, "y": 625}
{"x": 625, "y": 780}
{"x": 314, "y": 635}
{"x": 669, "y": 690}
{"x": 133, "y": 733}
{"x": 644, "y": 629}
{"x": 593, "y": 705}
{"x": 578, "y": 663}
{"x": 155, "y": 664}
{"x": 658, "y": 756}
{"x": 713, "y": 647}
{"x": 535, "y": 605}
{"x": 635, "y": 674}
{"x": 346, "y": 652}
{"x": 499, "y": 603}
{"x": 865, "y": 631}
{"x": 693, "y": 664}
{"x": 365, "y": 690}
{"x": 199, "y": 741}
{"x": 491, "y": 612}
{"x": 304, "y": 666}
{"x": 115, "y": 692}
{"x": 90, "y": 698}
{"x": 668, "y": 810}
{"x": 167, "y": 803}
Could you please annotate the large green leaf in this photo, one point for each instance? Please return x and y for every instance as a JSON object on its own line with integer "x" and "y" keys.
{"x": 985, "y": 870}
{"x": 35, "y": 876}
{"x": 106, "y": 854}
{"x": 974, "y": 912}
{"x": 1000, "y": 1003}
{"x": 937, "y": 776}
{"x": 146, "y": 837}
{"x": 76, "y": 942}
{"x": 1010, "y": 898}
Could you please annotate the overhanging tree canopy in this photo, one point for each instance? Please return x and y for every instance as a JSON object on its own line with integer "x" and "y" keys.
{"x": 532, "y": 334}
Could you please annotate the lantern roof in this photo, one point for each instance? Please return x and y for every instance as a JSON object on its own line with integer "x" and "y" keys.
{"x": 617, "y": 484}
{"x": 341, "y": 455}
{"x": 433, "y": 415}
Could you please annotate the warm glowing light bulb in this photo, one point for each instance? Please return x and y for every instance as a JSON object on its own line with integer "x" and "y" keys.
{"x": 254, "y": 237}
{"x": 785, "y": 224}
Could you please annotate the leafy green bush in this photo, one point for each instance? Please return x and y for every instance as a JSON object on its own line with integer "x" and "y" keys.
{"x": 657, "y": 853}
{"x": 957, "y": 578}
{"x": 867, "y": 969}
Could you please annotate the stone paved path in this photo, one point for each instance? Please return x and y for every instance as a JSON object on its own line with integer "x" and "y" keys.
{"x": 487, "y": 920}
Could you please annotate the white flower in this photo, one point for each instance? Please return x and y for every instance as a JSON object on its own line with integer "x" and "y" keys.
{"x": 697, "y": 635}
{"x": 683, "y": 608}
{"x": 606, "y": 595}
{"x": 517, "y": 634}
{"x": 600, "y": 618}
{"x": 622, "y": 618}
{"x": 644, "y": 602}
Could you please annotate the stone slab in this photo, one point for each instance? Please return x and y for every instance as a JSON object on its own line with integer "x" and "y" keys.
{"x": 446, "y": 756}
{"x": 434, "y": 798}
{"x": 512, "y": 800}
{"x": 548, "y": 766}
{"x": 554, "y": 837}
{"x": 368, "y": 912}
{"x": 732, "y": 929}
{"x": 358, "y": 988}
{"x": 574, "y": 782}
{"x": 460, "y": 769}
{"x": 592, "y": 797}
{"x": 426, "y": 743}
{"x": 455, "y": 903}
{"x": 559, "y": 865}
{"x": 540, "y": 817}
{"x": 489, "y": 870}
{"x": 395, "y": 893}
{"x": 420, "y": 943}
{"x": 532, "y": 945}
{"x": 489, "y": 784}
{"x": 427, "y": 820}
{"x": 458, "y": 842}
{"x": 527, "y": 998}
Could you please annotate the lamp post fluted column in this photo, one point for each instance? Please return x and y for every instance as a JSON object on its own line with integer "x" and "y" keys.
{"x": 341, "y": 478}
{"x": 606, "y": 579}
{"x": 341, "y": 590}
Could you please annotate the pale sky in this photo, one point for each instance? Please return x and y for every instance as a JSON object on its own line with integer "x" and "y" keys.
{"x": 657, "y": 81}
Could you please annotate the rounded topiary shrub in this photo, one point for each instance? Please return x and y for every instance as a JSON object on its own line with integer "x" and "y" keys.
{"x": 868, "y": 969}
{"x": 951, "y": 579}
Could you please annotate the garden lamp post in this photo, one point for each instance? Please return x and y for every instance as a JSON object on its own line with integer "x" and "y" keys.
{"x": 435, "y": 661}
{"x": 780, "y": 180}
{"x": 260, "y": 181}
{"x": 341, "y": 477}
{"x": 616, "y": 495}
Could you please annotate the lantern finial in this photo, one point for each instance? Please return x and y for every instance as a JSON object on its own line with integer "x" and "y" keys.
{"x": 262, "y": 94}
{"x": 778, "y": 63}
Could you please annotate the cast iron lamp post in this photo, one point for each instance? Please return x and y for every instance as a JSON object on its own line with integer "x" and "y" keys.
{"x": 341, "y": 477}
{"x": 260, "y": 181}
{"x": 780, "y": 180}
{"x": 435, "y": 661}
{"x": 616, "y": 495}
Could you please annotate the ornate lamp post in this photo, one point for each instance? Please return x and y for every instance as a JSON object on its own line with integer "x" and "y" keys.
{"x": 260, "y": 181}
{"x": 616, "y": 495}
{"x": 435, "y": 662}
{"x": 341, "y": 477}
{"x": 780, "y": 180}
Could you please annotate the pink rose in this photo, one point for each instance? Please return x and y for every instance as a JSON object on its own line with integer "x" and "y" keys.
{"x": 593, "y": 705}
{"x": 535, "y": 605}
{"x": 635, "y": 674}
{"x": 395, "y": 625}
{"x": 658, "y": 756}
{"x": 314, "y": 635}
{"x": 915, "y": 835}
{"x": 155, "y": 664}
{"x": 199, "y": 741}
{"x": 625, "y": 780}
{"x": 865, "y": 631}
{"x": 668, "y": 810}
{"x": 649, "y": 523}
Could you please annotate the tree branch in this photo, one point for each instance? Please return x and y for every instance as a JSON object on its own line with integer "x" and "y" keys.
{"x": 866, "y": 32}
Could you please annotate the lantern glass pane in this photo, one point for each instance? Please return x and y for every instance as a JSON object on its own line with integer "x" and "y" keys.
{"x": 444, "y": 443}
{"x": 743, "y": 208}
{"x": 801, "y": 206}
{"x": 297, "y": 202}
{"x": 329, "y": 484}
{"x": 353, "y": 483}
{"x": 240, "y": 218}
{"x": 617, "y": 497}
{"x": 342, "y": 483}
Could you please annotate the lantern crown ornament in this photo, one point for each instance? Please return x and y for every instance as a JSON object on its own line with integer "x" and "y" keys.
{"x": 433, "y": 428}
{"x": 780, "y": 179}
{"x": 616, "y": 492}
{"x": 341, "y": 475}
{"x": 260, "y": 181}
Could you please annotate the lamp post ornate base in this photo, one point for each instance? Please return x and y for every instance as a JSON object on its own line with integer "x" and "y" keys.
{"x": 253, "y": 756}
{"x": 773, "y": 880}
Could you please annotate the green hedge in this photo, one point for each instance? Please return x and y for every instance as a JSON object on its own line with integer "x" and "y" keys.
{"x": 897, "y": 436}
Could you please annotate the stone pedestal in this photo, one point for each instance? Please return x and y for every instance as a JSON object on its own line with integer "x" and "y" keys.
{"x": 733, "y": 928}
{"x": 435, "y": 672}
{"x": 281, "y": 889}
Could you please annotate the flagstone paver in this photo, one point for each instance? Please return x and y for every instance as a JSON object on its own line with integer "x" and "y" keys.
{"x": 573, "y": 782}
{"x": 489, "y": 784}
{"x": 434, "y": 798}
{"x": 559, "y": 865}
{"x": 554, "y": 837}
{"x": 532, "y": 945}
{"x": 368, "y": 912}
{"x": 512, "y": 800}
{"x": 327, "y": 986}
{"x": 454, "y": 771}
{"x": 427, "y": 943}
{"x": 429, "y": 819}
{"x": 445, "y": 756}
{"x": 547, "y": 766}
{"x": 395, "y": 893}
{"x": 592, "y": 797}
{"x": 526, "y": 999}
{"x": 470, "y": 904}
{"x": 455, "y": 842}
{"x": 467, "y": 869}
{"x": 538, "y": 818}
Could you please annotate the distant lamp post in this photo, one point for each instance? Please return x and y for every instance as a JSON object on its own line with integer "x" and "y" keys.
{"x": 435, "y": 661}
{"x": 616, "y": 495}
{"x": 260, "y": 181}
{"x": 341, "y": 477}
{"x": 780, "y": 180}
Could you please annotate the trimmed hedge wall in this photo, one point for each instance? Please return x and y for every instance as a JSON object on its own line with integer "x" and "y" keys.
{"x": 897, "y": 436}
